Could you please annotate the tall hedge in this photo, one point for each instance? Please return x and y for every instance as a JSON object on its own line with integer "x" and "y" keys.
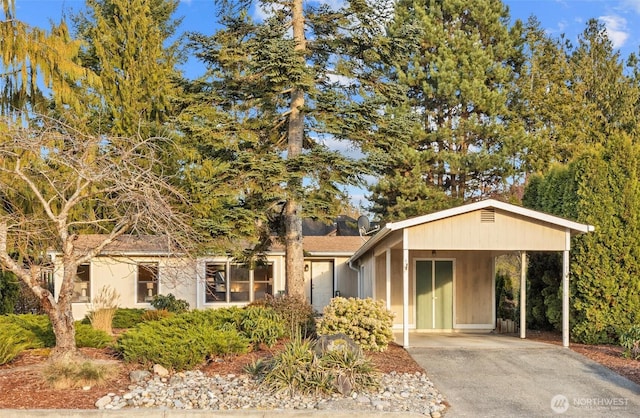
{"x": 600, "y": 187}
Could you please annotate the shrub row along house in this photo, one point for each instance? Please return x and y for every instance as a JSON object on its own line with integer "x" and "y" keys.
{"x": 435, "y": 272}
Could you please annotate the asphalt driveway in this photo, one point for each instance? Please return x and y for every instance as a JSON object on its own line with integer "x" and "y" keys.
{"x": 498, "y": 376}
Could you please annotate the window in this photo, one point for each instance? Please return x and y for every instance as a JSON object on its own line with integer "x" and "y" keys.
{"x": 240, "y": 283}
{"x": 147, "y": 285}
{"x": 81, "y": 284}
{"x": 237, "y": 283}
{"x": 216, "y": 283}
{"x": 262, "y": 281}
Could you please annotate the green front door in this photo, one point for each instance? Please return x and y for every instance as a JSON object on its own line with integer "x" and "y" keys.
{"x": 434, "y": 294}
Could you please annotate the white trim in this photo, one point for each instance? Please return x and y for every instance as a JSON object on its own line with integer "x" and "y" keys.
{"x": 523, "y": 294}
{"x": 493, "y": 292}
{"x": 388, "y": 278}
{"x": 565, "y": 290}
{"x": 405, "y": 289}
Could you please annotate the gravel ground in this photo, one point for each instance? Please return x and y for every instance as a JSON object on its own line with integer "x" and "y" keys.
{"x": 398, "y": 392}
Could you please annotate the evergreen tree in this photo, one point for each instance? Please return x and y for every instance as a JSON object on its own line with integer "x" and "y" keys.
{"x": 456, "y": 60}
{"x": 32, "y": 58}
{"x": 127, "y": 46}
{"x": 276, "y": 92}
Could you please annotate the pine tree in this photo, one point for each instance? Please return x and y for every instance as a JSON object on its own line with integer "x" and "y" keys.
{"x": 457, "y": 60}
{"x": 276, "y": 92}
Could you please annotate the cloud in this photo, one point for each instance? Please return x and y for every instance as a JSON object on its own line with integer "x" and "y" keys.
{"x": 631, "y": 5}
{"x": 616, "y": 29}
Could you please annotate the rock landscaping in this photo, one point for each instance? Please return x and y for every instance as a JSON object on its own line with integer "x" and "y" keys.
{"x": 398, "y": 392}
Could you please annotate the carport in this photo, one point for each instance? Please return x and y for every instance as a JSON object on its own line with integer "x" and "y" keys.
{"x": 437, "y": 272}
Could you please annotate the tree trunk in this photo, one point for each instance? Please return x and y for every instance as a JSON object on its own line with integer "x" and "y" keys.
{"x": 61, "y": 316}
{"x": 294, "y": 264}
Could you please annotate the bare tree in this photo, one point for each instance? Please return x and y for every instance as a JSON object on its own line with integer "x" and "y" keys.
{"x": 57, "y": 183}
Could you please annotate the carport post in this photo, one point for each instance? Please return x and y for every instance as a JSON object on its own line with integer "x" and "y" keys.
{"x": 565, "y": 289}
{"x": 405, "y": 289}
{"x": 523, "y": 294}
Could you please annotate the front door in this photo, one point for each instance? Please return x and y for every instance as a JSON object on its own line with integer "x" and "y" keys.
{"x": 434, "y": 294}
{"x": 319, "y": 283}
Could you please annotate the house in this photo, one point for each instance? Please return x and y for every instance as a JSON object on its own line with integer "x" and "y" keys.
{"x": 437, "y": 271}
{"x": 139, "y": 268}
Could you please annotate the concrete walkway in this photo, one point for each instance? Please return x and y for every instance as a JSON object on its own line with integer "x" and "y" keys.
{"x": 504, "y": 376}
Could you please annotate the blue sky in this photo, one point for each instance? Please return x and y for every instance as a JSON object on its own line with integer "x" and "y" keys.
{"x": 569, "y": 17}
{"x": 622, "y": 17}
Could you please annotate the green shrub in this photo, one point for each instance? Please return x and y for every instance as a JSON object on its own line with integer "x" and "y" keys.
{"x": 87, "y": 336}
{"x": 170, "y": 303}
{"x": 184, "y": 341}
{"x": 366, "y": 321}
{"x": 155, "y": 315}
{"x": 127, "y": 318}
{"x": 296, "y": 312}
{"x": 297, "y": 369}
{"x": 38, "y": 332}
{"x": 12, "y": 342}
{"x": 261, "y": 325}
{"x": 630, "y": 341}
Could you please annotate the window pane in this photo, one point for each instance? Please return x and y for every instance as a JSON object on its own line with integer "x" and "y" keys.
{"x": 239, "y": 282}
{"x": 261, "y": 290}
{"x": 147, "y": 282}
{"x": 81, "y": 285}
{"x": 216, "y": 283}
{"x": 239, "y": 292}
{"x": 263, "y": 273}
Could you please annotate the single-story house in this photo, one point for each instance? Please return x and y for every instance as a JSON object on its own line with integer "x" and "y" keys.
{"x": 138, "y": 268}
{"x": 437, "y": 271}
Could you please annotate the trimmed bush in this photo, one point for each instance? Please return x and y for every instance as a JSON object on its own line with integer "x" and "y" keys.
{"x": 170, "y": 303}
{"x": 296, "y": 312}
{"x": 12, "y": 342}
{"x": 366, "y": 321}
{"x": 630, "y": 341}
{"x": 87, "y": 336}
{"x": 185, "y": 341}
{"x": 37, "y": 329}
{"x": 127, "y": 318}
{"x": 38, "y": 333}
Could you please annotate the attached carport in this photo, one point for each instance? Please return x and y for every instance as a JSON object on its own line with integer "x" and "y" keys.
{"x": 437, "y": 271}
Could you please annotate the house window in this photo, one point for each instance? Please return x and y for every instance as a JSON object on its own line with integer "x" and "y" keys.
{"x": 216, "y": 283}
{"x": 262, "y": 281}
{"x": 82, "y": 284}
{"x": 233, "y": 282}
{"x": 240, "y": 283}
{"x": 147, "y": 285}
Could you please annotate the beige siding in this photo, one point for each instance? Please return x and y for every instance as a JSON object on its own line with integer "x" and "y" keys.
{"x": 507, "y": 232}
{"x": 347, "y": 278}
{"x": 381, "y": 280}
{"x": 396, "y": 288}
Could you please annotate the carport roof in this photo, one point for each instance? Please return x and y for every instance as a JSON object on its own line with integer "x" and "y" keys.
{"x": 572, "y": 226}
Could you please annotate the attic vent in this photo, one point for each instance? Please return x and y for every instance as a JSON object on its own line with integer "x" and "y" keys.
{"x": 487, "y": 216}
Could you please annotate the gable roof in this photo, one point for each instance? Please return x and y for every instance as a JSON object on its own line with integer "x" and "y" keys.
{"x": 573, "y": 227}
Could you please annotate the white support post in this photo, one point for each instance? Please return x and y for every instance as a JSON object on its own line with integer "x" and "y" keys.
{"x": 388, "y": 284}
{"x": 523, "y": 294}
{"x": 405, "y": 289}
{"x": 565, "y": 289}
